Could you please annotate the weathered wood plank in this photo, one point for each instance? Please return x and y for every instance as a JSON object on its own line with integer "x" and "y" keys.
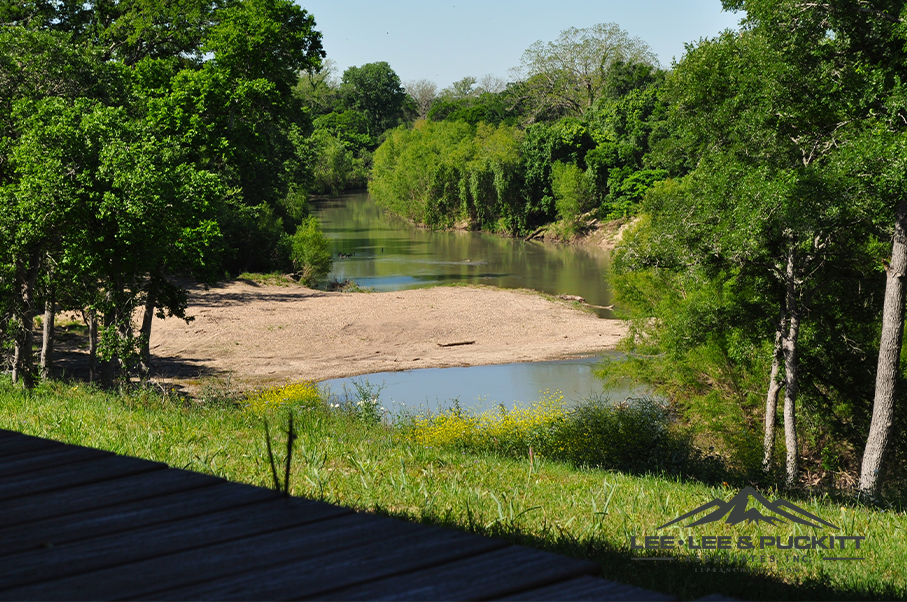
{"x": 247, "y": 556}
{"x": 20, "y": 511}
{"x": 167, "y": 538}
{"x": 140, "y": 513}
{"x": 312, "y": 577}
{"x": 47, "y": 458}
{"x": 490, "y": 575}
{"x": 589, "y": 588}
{"x": 61, "y": 477}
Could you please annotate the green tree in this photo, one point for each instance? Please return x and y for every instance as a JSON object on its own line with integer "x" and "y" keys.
{"x": 567, "y": 76}
{"x": 867, "y": 39}
{"x": 375, "y": 90}
{"x": 768, "y": 206}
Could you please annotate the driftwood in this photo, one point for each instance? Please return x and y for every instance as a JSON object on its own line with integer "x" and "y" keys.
{"x": 455, "y": 344}
{"x": 538, "y": 231}
{"x": 572, "y": 298}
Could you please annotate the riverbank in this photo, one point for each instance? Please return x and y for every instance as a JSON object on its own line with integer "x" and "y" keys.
{"x": 267, "y": 334}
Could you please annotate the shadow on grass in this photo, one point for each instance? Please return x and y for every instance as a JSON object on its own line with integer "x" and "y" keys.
{"x": 686, "y": 578}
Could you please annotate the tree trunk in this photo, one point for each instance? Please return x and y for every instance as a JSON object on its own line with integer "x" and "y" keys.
{"x": 145, "y": 332}
{"x": 26, "y": 275}
{"x": 889, "y": 358}
{"x": 107, "y": 365}
{"x": 791, "y": 385}
{"x": 47, "y": 341}
{"x": 92, "y": 345}
{"x": 771, "y": 400}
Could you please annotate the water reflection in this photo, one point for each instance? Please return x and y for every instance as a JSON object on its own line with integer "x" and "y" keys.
{"x": 384, "y": 252}
{"x": 485, "y": 387}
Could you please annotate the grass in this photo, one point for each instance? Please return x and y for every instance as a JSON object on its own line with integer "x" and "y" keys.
{"x": 347, "y": 454}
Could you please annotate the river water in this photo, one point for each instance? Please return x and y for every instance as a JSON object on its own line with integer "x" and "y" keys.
{"x": 384, "y": 252}
{"x": 381, "y": 251}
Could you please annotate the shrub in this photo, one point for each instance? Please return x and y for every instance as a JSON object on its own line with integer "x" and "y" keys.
{"x": 296, "y": 395}
{"x": 310, "y": 254}
{"x": 637, "y": 436}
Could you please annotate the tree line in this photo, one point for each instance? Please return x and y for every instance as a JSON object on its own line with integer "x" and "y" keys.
{"x": 566, "y": 141}
{"x": 141, "y": 142}
{"x": 766, "y": 277}
{"x": 764, "y": 269}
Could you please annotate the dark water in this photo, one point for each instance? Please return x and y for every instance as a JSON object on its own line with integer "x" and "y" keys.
{"x": 384, "y": 252}
{"x": 483, "y": 387}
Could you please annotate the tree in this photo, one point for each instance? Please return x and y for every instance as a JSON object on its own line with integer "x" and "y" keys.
{"x": 867, "y": 39}
{"x": 374, "y": 89}
{"x": 567, "y": 76}
{"x": 423, "y": 92}
{"x": 179, "y": 123}
{"x": 769, "y": 205}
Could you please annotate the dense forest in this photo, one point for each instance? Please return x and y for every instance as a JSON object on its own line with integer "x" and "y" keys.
{"x": 762, "y": 177}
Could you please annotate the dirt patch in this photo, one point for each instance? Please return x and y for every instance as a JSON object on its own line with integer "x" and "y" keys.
{"x": 271, "y": 334}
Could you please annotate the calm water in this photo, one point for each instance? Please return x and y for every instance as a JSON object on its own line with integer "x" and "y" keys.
{"x": 483, "y": 387}
{"x": 386, "y": 253}
{"x": 381, "y": 251}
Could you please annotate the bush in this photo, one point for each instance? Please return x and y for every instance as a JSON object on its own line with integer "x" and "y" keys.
{"x": 297, "y": 395}
{"x": 636, "y": 436}
{"x": 310, "y": 254}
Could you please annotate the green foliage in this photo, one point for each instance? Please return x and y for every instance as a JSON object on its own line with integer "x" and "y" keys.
{"x": 333, "y": 166}
{"x": 350, "y": 127}
{"x": 567, "y": 76}
{"x": 627, "y": 188}
{"x": 310, "y": 253}
{"x": 126, "y": 159}
{"x": 573, "y": 193}
{"x": 439, "y": 173}
{"x": 374, "y": 90}
{"x": 637, "y": 436}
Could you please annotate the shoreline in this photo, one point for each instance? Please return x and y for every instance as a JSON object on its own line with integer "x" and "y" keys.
{"x": 263, "y": 335}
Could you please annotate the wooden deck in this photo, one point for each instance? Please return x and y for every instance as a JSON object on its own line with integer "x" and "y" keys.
{"x": 83, "y": 524}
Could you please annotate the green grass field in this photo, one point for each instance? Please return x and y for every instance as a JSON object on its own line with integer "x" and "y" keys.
{"x": 344, "y": 456}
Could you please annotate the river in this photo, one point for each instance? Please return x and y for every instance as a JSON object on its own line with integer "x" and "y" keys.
{"x": 383, "y": 252}
{"x": 386, "y": 253}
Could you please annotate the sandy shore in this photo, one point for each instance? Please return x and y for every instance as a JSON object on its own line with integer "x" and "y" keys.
{"x": 271, "y": 334}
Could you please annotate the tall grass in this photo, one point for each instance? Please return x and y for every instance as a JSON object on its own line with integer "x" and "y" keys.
{"x": 345, "y": 456}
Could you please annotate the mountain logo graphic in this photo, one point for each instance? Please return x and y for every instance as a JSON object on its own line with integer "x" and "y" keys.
{"x": 736, "y": 512}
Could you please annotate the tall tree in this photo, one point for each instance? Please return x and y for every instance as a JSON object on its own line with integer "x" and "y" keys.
{"x": 867, "y": 39}
{"x": 374, "y": 89}
{"x": 567, "y": 76}
{"x": 767, "y": 203}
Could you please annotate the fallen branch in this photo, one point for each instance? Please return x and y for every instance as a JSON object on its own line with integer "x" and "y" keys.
{"x": 455, "y": 344}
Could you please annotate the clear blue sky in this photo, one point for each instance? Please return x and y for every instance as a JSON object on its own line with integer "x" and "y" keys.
{"x": 446, "y": 41}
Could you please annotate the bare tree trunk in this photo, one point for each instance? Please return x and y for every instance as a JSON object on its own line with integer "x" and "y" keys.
{"x": 791, "y": 385}
{"x": 107, "y": 365}
{"x": 889, "y": 358}
{"x": 92, "y": 345}
{"x": 771, "y": 400}
{"x": 47, "y": 341}
{"x": 26, "y": 275}
{"x": 145, "y": 333}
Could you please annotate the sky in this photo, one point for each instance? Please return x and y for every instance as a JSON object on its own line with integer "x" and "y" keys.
{"x": 447, "y": 41}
